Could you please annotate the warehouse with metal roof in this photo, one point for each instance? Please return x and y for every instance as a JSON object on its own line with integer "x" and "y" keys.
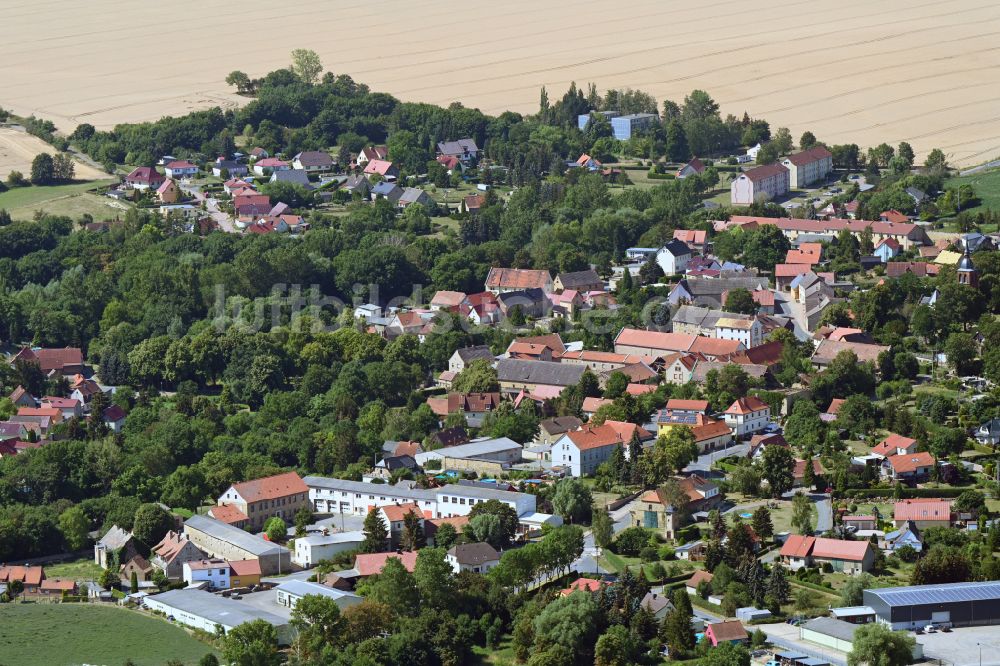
{"x": 954, "y": 604}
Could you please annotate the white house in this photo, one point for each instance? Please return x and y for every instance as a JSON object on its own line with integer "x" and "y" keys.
{"x": 180, "y": 169}
{"x": 582, "y": 451}
{"x": 473, "y": 557}
{"x": 760, "y": 184}
{"x": 270, "y": 165}
{"x": 748, "y": 415}
{"x": 215, "y": 572}
{"x": 748, "y": 331}
{"x": 809, "y": 166}
{"x": 463, "y": 357}
{"x": 311, "y": 549}
{"x": 673, "y": 257}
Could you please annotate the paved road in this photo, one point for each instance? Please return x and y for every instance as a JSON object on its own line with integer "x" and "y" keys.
{"x": 786, "y": 637}
{"x": 824, "y": 513}
{"x": 704, "y": 462}
{"x": 225, "y": 222}
{"x": 981, "y": 167}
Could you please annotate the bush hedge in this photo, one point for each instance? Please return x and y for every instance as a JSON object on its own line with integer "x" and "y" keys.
{"x": 907, "y": 493}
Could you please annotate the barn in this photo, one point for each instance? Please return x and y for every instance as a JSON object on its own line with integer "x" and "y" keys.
{"x": 957, "y": 604}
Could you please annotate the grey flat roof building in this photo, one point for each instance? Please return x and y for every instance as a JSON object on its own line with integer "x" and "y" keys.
{"x": 234, "y": 535}
{"x": 960, "y": 604}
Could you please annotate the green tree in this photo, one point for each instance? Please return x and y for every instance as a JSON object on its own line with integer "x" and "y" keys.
{"x": 303, "y": 519}
{"x": 727, "y": 654}
{"x": 477, "y": 377}
{"x": 602, "y": 527}
{"x": 434, "y": 578}
{"x": 851, "y": 592}
{"x": 42, "y": 169}
{"x": 765, "y": 247}
{"x": 802, "y": 514}
{"x": 672, "y": 452}
{"x": 570, "y": 623}
{"x": 133, "y": 583}
{"x": 676, "y": 629}
{"x": 317, "y": 620}
{"x": 413, "y": 532}
{"x": 109, "y": 579}
{"x": 185, "y": 487}
{"x": 961, "y": 351}
{"x": 240, "y": 80}
{"x": 276, "y": 529}
{"x": 376, "y": 533}
{"x": 741, "y": 300}
{"x": 778, "y": 586}
{"x": 761, "y": 522}
{"x": 306, "y": 65}
{"x": 617, "y": 647}
{"x": 395, "y": 587}
{"x": 878, "y": 645}
{"x": 572, "y": 500}
{"x": 152, "y": 522}
{"x": 807, "y": 141}
{"x": 253, "y": 643}
{"x": 75, "y": 527}
{"x": 777, "y": 467}
{"x": 445, "y": 536}
{"x": 782, "y": 140}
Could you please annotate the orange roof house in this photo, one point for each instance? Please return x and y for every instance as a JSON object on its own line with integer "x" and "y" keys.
{"x": 895, "y": 445}
{"x": 925, "y": 512}
{"x": 583, "y": 585}
{"x": 281, "y": 495}
{"x": 369, "y": 564}
{"x": 909, "y": 465}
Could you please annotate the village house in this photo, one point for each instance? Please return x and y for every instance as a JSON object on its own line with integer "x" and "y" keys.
{"x": 827, "y": 350}
{"x": 472, "y": 557}
{"x": 54, "y": 361}
{"x": 762, "y": 183}
{"x": 465, "y": 150}
{"x": 394, "y": 517}
{"x": 449, "y": 301}
{"x": 730, "y": 631}
{"x": 144, "y": 178}
{"x": 369, "y": 153}
{"x": 895, "y": 445}
{"x": 908, "y": 235}
{"x": 173, "y": 550}
{"x": 653, "y": 510}
{"x": 387, "y": 190}
{"x": 214, "y": 572}
{"x": 923, "y": 512}
{"x": 678, "y": 368}
{"x": 31, "y": 577}
{"x": 281, "y": 495}
{"x": 692, "y": 168}
{"x": 117, "y": 545}
{"x": 387, "y": 170}
{"x": 168, "y": 192}
{"x": 583, "y": 450}
{"x": 516, "y": 375}
{"x": 501, "y": 280}
{"x": 587, "y": 280}
{"x": 809, "y": 166}
{"x": 461, "y": 359}
{"x": 217, "y": 539}
{"x": 749, "y": 332}
{"x": 312, "y": 161}
{"x": 474, "y": 407}
{"x": 695, "y": 239}
{"x": 139, "y": 566}
{"x": 414, "y": 195}
{"x": 357, "y": 183}
{"x": 849, "y": 557}
{"x": 269, "y": 165}
{"x": 551, "y": 429}
{"x": 886, "y": 249}
{"x": 229, "y": 514}
{"x": 673, "y": 257}
{"x": 180, "y": 169}
{"x": 747, "y": 416}
{"x": 228, "y": 168}
{"x": 697, "y": 578}
{"x": 909, "y": 467}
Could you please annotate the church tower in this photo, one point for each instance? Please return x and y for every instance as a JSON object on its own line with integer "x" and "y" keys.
{"x": 967, "y": 273}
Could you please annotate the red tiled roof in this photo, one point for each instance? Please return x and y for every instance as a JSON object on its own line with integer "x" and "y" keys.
{"x": 397, "y": 512}
{"x": 381, "y": 167}
{"x": 58, "y": 585}
{"x": 696, "y": 236}
{"x": 746, "y": 405}
{"x": 517, "y": 278}
{"x": 369, "y": 564}
{"x": 583, "y": 584}
{"x": 688, "y": 405}
{"x": 245, "y": 567}
{"x": 891, "y": 443}
{"x": 765, "y": 172}
{"x": 144, "y": 175}
{"x": 27, "y": 575}
{"x": 673, "y": 342}
{"x": 798, "y": 546}
{"x": 814, "y": 154}
{"x": 834, "y": 407}
{"x": 698, "y": 577}
{"x": 838, "y": 549}
{"x": 607, "y": 434}
{"x": 228, "y": 514}
{"x": 895, "y": 216}
{"x": 923, "y": 509}
{"x": 710, "y": 431}
{"x": 730, "y": 630}
{"x": 593, "y": 404}
{"x": 639, "y": 389}
{"x": 714, "y": 346}
{"x": 910, "y": 462}
{"x": 448, "y": 298}
{"x": 790, "y": 270}
{"x": 271, "y": 487}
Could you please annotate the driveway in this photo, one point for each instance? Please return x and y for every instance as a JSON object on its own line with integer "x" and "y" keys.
{"x": 704, "y": 462}
{"x": 786, "y": 637}
{"x": 824, "y": 513}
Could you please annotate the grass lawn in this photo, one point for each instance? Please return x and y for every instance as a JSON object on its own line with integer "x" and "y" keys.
{"x": 502, "y": 656}
{"x": 64, "y": 634}
{"x": 82, "y": 569}
{"x": 72, "y": 200}
{"x": 986, "y": 185}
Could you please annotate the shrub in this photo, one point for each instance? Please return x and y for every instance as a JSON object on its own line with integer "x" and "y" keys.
{"x": 648, "y": 554}
{"x": 630, "y": 541}
{"x": 827, "y": 567}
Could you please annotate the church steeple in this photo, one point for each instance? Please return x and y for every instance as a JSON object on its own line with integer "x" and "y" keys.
{"x": 967, "y": 273}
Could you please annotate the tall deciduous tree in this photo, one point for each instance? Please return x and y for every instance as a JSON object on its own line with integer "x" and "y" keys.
{"x": 877, "y": 644}
{"x": 306, "y": 65}
{"x": 253, "y": 643}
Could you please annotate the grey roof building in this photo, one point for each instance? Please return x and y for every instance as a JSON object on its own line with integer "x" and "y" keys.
{"x": 515, "y": 374}
{"x": 220, "y": 539}
{"x": 960, "y": 604}
{"x": 502, "y": 449}
{"x": 203, "y": 610}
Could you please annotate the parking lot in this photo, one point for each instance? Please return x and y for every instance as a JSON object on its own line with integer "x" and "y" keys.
{"x": 961, "y": 647}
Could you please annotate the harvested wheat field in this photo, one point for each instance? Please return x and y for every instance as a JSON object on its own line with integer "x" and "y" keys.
{"x": 18, "y": 148}
{"x": 848, "y": 70}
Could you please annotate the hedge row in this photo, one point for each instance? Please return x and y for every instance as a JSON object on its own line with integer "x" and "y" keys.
{"x": 652, "y": 175}
{"x": 907, "y": 493}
